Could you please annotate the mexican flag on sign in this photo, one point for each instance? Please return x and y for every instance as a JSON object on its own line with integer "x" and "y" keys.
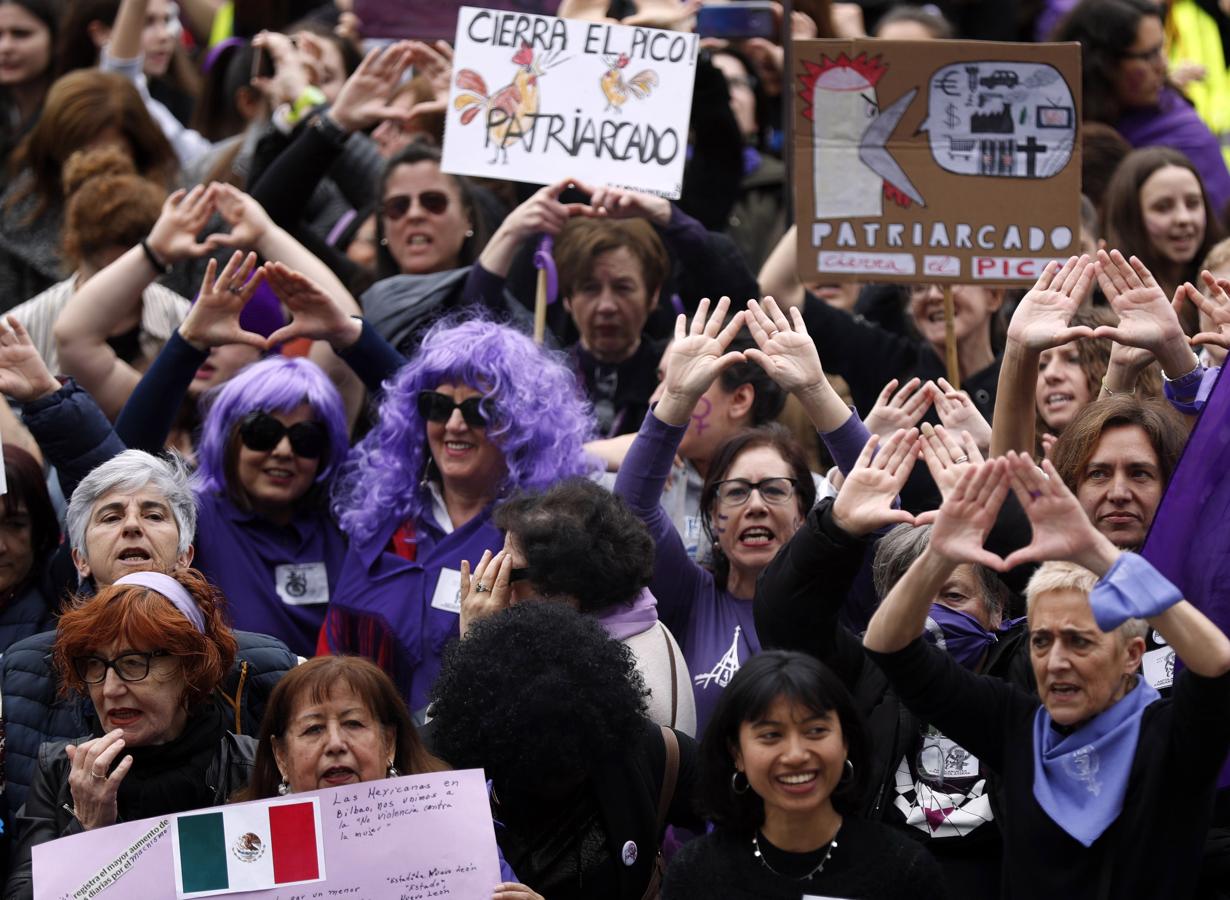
{"x": 249, "y": 847}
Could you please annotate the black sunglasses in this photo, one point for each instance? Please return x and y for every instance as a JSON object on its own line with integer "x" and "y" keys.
{"x": 262, "y": 432}
{"x": 435, "y": 202}
{"x": 437, "y": 407}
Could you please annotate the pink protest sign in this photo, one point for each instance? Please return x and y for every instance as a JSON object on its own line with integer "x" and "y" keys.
{"x": 413, "y": 837}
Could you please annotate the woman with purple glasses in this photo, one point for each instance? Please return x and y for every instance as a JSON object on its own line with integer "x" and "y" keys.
{"x": 478, "y": 413}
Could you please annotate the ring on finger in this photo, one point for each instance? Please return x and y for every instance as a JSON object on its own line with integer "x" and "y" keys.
{"x": 96, "y": 776}
{"x": 481, "y": 588}
{"x": 961, "y": 459}
{"x": 235, "y": 290}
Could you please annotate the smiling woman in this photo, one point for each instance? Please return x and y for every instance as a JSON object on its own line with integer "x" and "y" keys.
{"x": 781, "y": 771}
{"x": 274, "y": 436}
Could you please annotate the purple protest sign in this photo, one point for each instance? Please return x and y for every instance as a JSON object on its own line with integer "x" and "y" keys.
{"x": 416, "y": 836}
{"x": 430, "y": 21}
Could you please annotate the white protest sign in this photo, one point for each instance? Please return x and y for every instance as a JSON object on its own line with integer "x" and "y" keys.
{"x": 414, "y": 837}
{"x": 536, "y": 98}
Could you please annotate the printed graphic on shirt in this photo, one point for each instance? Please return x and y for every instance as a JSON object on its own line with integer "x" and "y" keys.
{"x": 302, "y": 584}
{"x": 1158, "y": 667}
{"x": 726, "y": 667}
{"x": 448, "y": 591}
{"x": 943, "y": 793}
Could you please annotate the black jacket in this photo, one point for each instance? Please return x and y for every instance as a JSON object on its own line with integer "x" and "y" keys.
{"x": 46, "y": 816}
{"x": 798, "y": 601}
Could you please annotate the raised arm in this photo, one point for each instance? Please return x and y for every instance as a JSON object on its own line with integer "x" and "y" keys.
{"x": 779, "y": 275}
{"x": 542, "y": 213}
{"x": 113, "y": 296}
{"x": 1039, "y": 323}
{"x": 787, "y": 353}
{"x": 1128, "y": 585}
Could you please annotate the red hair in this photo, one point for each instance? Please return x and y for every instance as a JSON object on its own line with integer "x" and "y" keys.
{"x": 138, "y": 617}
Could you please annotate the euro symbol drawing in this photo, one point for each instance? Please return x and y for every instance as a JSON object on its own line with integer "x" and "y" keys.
{"x": 948, "y": 84}
{"x": 951, "y": 119}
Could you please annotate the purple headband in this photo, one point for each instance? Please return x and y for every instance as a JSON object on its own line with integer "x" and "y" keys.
{"x": 172, "y": 590}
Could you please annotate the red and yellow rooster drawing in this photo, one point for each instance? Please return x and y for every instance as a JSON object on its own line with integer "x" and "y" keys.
{"x": 515, "y": 102}
{"x": 618, "y": 90}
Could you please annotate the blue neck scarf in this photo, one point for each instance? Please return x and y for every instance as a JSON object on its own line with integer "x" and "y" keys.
{"x": 1080, "y": 779}
{"x": 961, "y": 635}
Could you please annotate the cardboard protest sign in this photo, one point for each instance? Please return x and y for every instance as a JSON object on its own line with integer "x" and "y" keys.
{"x": 429, "y": 21}
{"x": 413, "y": 837}
{"x": 536, "y": 99}
{"x": 935, "y": 161}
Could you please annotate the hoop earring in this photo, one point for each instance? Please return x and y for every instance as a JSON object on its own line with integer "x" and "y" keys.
{"x": 469, "y": 232}
{"x": 848, "y": 775}
{"x": 734, "y": 783}
{"x": 384, "y": 242}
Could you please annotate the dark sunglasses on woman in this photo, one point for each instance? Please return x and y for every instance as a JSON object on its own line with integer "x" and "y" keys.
{"x": 261, "y": 432}
{"x": 434, "y": 202}
{"x": 437, "y": 407}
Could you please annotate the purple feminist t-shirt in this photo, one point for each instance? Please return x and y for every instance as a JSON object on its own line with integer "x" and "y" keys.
{"x": 715, "y": 629}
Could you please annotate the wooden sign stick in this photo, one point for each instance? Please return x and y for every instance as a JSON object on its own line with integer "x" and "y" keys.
{"x": 950, "y": 338}
{"x": 540, "y": 308}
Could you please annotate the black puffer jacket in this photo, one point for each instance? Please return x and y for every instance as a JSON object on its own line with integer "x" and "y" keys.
{"x": 36, "y": 713}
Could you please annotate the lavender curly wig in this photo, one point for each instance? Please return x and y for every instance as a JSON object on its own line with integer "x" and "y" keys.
{"x": 539, "y": 421}
{"x": 274, "y": 384}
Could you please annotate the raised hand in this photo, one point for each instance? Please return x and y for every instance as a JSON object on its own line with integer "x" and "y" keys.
{"x": 1061, "y": 530}
{"x": 488, "y": 590}
{"x": 1041, "y": 319}
{"x": 435, "y": 63}
{"x": 895, "y": 409}
{"x": 786, "y": 352}
{"x": 620, "y": 203}
{"x": 1146, "y": 318}
{"x": 184, "y": 214}
{"x": 317, "y": 315}
{"x": 364, "y": 98}
{"x": 697, "y": 356}
{"x": 93, "y": 789}
{"x": 23, "y": 374}
{"x": 947, "y": 455}
{"x": 543, "y": 213}
{"x": 290, "y": 71}
{"x": 247, "y": 218}
{"x": 967, "y": 516}
{"x": 1214, "y": 306}
{"x": 669, "y": 14}
{"x": 958, "y": 413}
{"x": 213, "y": 319}
{"x": 865, "y": 502}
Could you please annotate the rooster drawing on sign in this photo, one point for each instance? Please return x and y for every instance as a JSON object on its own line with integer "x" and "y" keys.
{"x": 508, "y": 113}
{"x": 853, "y": 171}
{"x": 618, "y": 89}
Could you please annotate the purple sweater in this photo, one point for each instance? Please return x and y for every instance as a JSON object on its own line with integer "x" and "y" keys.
{"x": 1175, "y": 123}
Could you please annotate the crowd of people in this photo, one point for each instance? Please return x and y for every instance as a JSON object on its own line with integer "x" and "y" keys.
{"x": 725, "y": 585}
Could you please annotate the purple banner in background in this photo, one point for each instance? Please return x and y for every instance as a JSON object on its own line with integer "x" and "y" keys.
{"x": 430, "y": 21}
{"x": 1189, "y": 541}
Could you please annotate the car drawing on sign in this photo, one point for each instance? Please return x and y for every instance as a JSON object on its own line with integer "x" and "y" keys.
{"x": 1001, "y": 78}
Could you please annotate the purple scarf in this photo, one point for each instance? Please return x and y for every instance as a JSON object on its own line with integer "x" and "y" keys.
{"x": 1080, "y": 779}
{"x": 960, "y": 634}
{"x": 622, "y": 622}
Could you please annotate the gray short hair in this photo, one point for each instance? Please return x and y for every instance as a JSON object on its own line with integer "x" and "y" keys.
{"x": 131, "y": 471}
{"x": 896, "y": 552}
{"x": 1068, "y": 576}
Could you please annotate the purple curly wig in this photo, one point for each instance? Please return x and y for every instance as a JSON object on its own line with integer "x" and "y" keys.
{"x": 273, "y": 384}
{"x": 540, "y": 423}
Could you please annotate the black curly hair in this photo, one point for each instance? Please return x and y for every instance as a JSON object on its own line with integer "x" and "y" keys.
{"x": 580, "y": 541}
{"x": 539, "y": 696}
{"x": 762, "y": 680}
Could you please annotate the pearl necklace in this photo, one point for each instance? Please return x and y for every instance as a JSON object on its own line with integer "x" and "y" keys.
{"x": 810, "y": 875}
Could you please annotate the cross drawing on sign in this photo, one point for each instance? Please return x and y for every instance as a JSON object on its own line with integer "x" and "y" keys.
{"x": 1031, "y": 148}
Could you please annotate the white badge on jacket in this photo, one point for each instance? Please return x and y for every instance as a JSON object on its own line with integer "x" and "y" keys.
{"x": 448, "y": 591}
{"x": 302, "y": 584}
